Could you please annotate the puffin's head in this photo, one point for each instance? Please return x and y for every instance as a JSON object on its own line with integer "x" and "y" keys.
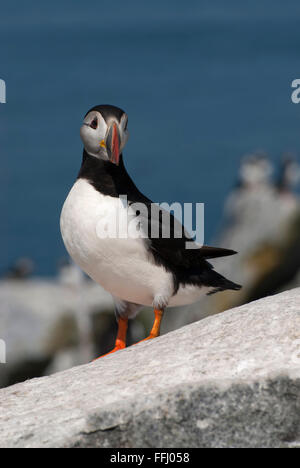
{"x": 104, "y": 132}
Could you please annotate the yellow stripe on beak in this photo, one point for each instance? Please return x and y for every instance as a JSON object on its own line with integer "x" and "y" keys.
{"x": 102, "y": 143}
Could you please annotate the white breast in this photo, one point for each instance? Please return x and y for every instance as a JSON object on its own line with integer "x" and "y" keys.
{"x": 121, "y": 265}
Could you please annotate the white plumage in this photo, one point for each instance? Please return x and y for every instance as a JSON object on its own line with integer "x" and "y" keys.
{"x": 123, "y": 267}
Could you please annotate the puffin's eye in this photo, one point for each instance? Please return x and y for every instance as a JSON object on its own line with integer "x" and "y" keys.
{"x": 94, "y": 123}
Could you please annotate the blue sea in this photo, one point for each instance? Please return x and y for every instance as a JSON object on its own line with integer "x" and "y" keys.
{"x": 203, "y": 82}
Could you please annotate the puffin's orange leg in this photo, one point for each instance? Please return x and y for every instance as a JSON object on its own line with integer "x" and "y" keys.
{"x": 156, "y": 326}
{"x": 121, "y": 337}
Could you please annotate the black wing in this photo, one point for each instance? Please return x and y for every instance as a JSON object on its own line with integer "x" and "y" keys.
{"x": 168, "y": 238}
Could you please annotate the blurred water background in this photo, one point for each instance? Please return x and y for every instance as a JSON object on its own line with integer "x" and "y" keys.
{"x": 202, "y": 82}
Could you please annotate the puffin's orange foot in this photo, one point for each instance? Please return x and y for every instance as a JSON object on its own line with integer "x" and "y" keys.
{"x": 146, "y": 339}
{"x": 155, "y": 332}
{"x": 116, "y": 348}
{"x": 121, "y": 337}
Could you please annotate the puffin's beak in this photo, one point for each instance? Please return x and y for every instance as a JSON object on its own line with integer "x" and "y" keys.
{"x": 112, "y": 142}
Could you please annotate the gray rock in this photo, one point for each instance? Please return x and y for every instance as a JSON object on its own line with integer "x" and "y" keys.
{"x": 231, "y": 380}
{"x": 41, "y": 318}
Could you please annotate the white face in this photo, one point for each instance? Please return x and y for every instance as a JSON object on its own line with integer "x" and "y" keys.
{"x": 95, "y": 130}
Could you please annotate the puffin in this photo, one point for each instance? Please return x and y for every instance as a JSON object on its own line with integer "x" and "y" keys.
{"x": 146, "y": 265}
{"x": 289, "y": 175}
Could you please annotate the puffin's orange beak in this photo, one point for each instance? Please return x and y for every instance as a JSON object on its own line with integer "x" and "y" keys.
{"x": 113, "y": 143}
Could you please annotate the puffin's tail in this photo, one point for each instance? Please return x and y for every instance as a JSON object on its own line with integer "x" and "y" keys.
{"x": 222, "y": 284}
{"x": 214, "y": 252}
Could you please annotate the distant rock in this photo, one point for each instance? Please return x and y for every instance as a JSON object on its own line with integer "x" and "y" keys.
{"x": 40, "y": 319}
{"x": 261, "y": 222}
{"x": 232, "y": 380}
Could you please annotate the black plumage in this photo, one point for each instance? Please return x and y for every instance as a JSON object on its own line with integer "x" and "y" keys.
{"x": 188, "y": 266}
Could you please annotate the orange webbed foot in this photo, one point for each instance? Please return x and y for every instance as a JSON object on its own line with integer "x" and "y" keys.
{"x": 155, "y": 332}
{"x": 116, "y": 348}
{"x": 121, "y": 338}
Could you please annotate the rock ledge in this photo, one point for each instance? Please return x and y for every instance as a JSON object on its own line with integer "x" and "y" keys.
{"x": 231, "y": 380}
